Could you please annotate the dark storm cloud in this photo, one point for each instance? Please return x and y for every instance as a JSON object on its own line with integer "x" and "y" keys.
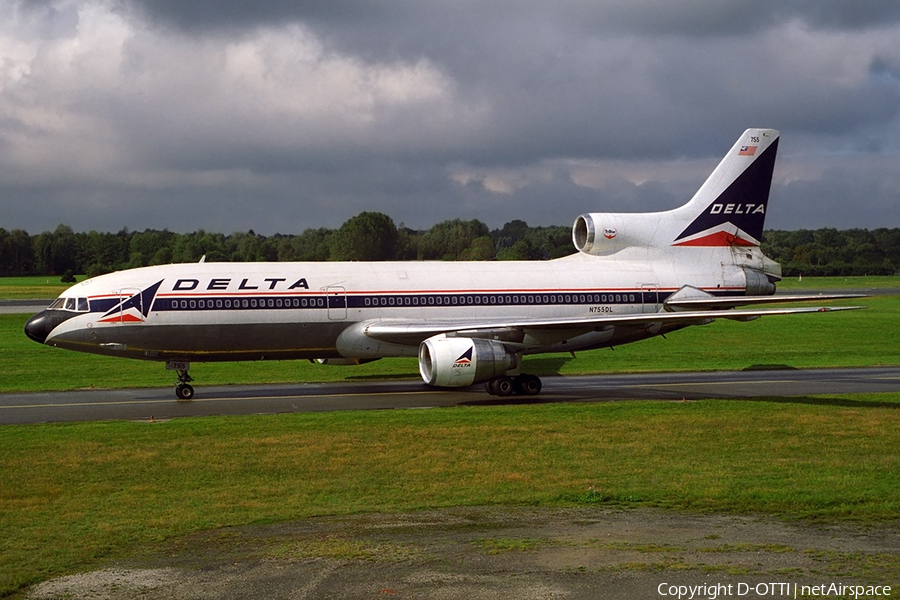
{"x": 278, "y": 116}
{"x": 699, "y": 17}
{"x": 846, "y": 14}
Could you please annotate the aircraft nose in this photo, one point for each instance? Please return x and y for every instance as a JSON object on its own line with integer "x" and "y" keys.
{"x": 37, "y": 327}
{"x": 40, "y": 325}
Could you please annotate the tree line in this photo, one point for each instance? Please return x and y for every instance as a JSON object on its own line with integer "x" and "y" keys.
{"x": 374, "y": 236}
{"x": 367, "y": 236}
{"x": 832, "y": 252}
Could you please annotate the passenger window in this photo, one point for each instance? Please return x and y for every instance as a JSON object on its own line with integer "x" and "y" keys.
{"x": 83, "y": 305}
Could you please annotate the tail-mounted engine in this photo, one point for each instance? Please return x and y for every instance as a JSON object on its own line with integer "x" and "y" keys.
{"x": 759, "y": 283}
{"x": 459, "y": 362}
{"x": 606, "y": 233}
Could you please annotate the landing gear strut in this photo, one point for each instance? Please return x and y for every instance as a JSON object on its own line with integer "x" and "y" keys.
{"x": 182, "y": 388}
{"x": 525, "y": 385}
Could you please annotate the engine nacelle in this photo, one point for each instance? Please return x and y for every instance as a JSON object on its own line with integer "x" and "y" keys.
{"x": 758, "y": 283}
{"x": 607, "y": 233}
{"x": 459, "y": 362}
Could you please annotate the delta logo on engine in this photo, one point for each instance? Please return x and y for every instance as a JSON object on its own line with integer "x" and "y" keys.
{"x": 464, "y": 360}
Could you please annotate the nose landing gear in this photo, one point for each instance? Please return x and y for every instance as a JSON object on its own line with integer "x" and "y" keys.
{"x": 183, "y": 389}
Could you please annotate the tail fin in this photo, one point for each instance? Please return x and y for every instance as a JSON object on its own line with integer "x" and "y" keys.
{"x": 730, "y": 208}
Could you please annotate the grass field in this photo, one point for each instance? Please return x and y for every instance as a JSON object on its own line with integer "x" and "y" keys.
{"x": 37, "y": 287}
{"x": 72, "y": 494}
{"x": 838, "y": 283}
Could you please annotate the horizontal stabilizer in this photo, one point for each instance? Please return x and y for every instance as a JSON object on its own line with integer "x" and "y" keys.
{"x": 722, "y": 303}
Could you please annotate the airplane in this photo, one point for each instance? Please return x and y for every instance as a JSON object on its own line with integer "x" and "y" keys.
{"x": 634, "y": 276}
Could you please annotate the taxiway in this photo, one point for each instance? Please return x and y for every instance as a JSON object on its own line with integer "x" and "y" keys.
{"x": 795, "y": 385}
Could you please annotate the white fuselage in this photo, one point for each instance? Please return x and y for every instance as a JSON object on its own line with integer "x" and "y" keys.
{"x": 232, "y": 311}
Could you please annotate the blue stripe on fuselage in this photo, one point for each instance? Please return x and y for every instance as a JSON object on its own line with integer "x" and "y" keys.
{"x": 404, "y": 300}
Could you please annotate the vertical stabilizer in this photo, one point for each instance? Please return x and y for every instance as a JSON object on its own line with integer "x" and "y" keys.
{"x": 730, "y": 208}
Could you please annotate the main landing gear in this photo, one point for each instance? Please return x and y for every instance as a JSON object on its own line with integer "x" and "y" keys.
{"x": 525, "y": 385}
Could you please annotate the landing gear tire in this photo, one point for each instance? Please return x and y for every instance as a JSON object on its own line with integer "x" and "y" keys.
{"x": 505, "y": 386}
{"x": 182, "y": 389}
{"x": 528, "y": 385}
{"x": 524, "y": 385}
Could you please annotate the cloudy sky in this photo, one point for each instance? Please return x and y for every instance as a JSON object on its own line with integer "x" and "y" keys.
{"x": 276, "y": 116}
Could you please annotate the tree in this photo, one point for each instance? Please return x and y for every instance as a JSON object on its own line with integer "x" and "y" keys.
{"x": 509, "y": 234}
{"x": 163, "y": 256}
{"x": 55, "y": 252}
{"x": 407, "y": 243}
{"x": 311, "y": 245}
{"x": 192, "y": 247}
{"x": 367, "y": 236}
{"x": 101, "y": 252}
{"x": 16, "y": 252}
{"x": 521, "y": 250}
{"x": 481, "y": 248}
{"x": 143, "y": 246}
{"x": 243, "y": 247}
{"x": 450, "y": 239}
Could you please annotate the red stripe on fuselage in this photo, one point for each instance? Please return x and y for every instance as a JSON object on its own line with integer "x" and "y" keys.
{"x": 121, "y": 318}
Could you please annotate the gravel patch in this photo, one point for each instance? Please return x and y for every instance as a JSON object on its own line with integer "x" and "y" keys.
{"x": 489, "y": 552}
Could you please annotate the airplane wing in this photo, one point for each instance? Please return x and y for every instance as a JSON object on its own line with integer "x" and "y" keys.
{"x": 408, "y": 332}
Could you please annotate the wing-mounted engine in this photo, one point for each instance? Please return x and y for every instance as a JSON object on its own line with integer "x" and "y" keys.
{"x": 460, "y": 362}
{"x": 602, "y": 234}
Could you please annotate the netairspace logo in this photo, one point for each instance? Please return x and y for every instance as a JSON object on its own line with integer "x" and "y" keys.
{"x": 771, "y": 590}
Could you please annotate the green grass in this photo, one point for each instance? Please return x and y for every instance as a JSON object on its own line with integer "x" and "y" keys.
{"x": 74, "y": 494}
{"x": 36, "y": 287}
{"x": 872, "y": 282}
{"x": 846, "y": 339}
{"x": 853, "y": 338}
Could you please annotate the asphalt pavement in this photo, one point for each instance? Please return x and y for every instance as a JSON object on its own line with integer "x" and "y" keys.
{"x": 23, "y": 307}
{"x": 795, "y": 385}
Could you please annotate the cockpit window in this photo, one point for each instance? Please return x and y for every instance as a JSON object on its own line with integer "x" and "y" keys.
{"x": 73, "y": 304}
